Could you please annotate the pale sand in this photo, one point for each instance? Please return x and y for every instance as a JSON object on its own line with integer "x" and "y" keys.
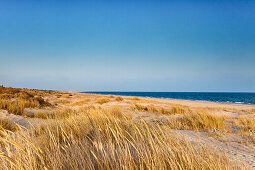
{"x": 192, "y": 103}
{"x": 234, "y": 146}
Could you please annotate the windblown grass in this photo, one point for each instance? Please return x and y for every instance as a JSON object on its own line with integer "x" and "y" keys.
{"x": 175, "y": 109}
{"x": 251, "y": 111}
{"x": 134, "y": 98}
{"x": 55, "y": 114}
{"x": 117, "y": 112}
{"x": 171, "y": 109}
{"x": 94, "y": 137}
{"x": 149, "y": 108}
{"x": 98, "y": 139}
{"x": 179, "y": 109}
{"x": 197, "y": 121}
{"x": 102, "y": 100}
{"x": 119, "y": 99}
{"x": 246, "y": 126}
{"x": 15, "y": 100}
{"x": 81, "y": 103}
{"x": 190, "y": 118}
{"x": 24, "y": 93}
{"x": 6, "y": 124}
{"x": 62, "y": 101}
{"x": 111, "y": 96}
{"x": 17, "y": 106}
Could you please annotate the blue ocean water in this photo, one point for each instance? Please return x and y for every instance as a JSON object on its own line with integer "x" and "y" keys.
{"x": 224, "y": 97}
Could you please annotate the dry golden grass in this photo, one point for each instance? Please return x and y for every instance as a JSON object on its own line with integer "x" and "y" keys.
{"x": 175, "y": 109}
{"x": 98, "y": 139}
{"x": 164, "y": 111}
{"x": 105, "y": 137}
{"x": 197, "y": 121}
{"x": 81, "y": 103}
{"x": 117, "y": 112}
{"x": 246, "y": 123}
{"x": 59, "y": 95}
{"x": 149, "y": 108}
{"x": 189, "y": 119}
{"x": 171, "y": 109}
{"x": 102, "y": 100}
{"x": 111, "y": 96}
{"x": 55, "y": 114}
{"x": 17, "y": 106}
{"x": 67, "y": 95}
{"x": 179, "y": 109}
{"x": 62, "y": 101}
{"x": 15, "y": 100}
{"x": 7, "y": 125}
{"x": 251, "y": 111}
{"x": 134, "y": 98}
{"x": 119, "y": 99}
{"x": 246, "y": 126}
{"x": 24, "y": 93}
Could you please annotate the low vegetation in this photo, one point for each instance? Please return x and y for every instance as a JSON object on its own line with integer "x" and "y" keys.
{"x": 17, "y": 106}
{"x": 111, "y": 96}
{"x": 6, "y": 124}
{"x": 98, "y": 139}
{"x": 102, "y": 100}
{"x": 251, "y": 111}
{"x": 175, "y": 109}
{"x": 16, "y": 100}
{"x": 81, "y": 103}
{"x": 54, "y": 114}
{"x": 246, "y": 127}
{"x": 119, "y": 98}
{"x": 62, "y": 101}
{"x": 80, "y": 131}
{"x": 197, "y": 121}
{"x": 134, "y": 98}
{"x": 139, "y": 107}
{"x": 170, "y": 110}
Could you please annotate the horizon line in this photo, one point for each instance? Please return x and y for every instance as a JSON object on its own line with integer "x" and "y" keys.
{"x": 170, "y": 91}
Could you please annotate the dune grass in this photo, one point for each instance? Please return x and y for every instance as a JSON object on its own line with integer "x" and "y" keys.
{"x": 102, "y": 100}
{"x": 55, "y": 114}
{"x": 81, "y": 103}
{"x": 197, "y": 121}
{"x": 92, "y": 136}
{"x": 15, "y": 100}
{"x": 98, "y": 139}
{"x": 251, "y": 111}
{"x": 62, "y": 101}
{"x": 175, "y": 109}
{"x": 190, "y": 118}
{"x": 149, "y": 108}
{"x": 119, "y": 99}
{"x": 111, "y": 96}
{"x": 17, "y": 106}
{"x": 246, "y": 126}
{"x": 169, "y": 110}
{"x": 179, "y": 109}
{"x": 134, "y": 98}
{"x": 6, "y": 124}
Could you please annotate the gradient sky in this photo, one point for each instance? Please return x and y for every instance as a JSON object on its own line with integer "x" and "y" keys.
{"x": 132, "y": 45}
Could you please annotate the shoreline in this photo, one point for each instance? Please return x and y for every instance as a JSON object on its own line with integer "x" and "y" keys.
{"x": 224, "y": 126}
{"x": 187, "y": 102}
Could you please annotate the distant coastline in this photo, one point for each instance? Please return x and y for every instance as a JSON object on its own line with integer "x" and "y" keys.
{"x": 219, "y": 97}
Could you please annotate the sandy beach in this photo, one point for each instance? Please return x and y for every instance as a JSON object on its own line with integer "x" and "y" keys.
{"x": 219, "y": 126}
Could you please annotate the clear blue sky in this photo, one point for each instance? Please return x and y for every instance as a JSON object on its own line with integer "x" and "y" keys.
{"x": 132, "y": 45}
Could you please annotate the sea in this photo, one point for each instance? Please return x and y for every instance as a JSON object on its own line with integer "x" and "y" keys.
{"x": 222, "y": 97}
